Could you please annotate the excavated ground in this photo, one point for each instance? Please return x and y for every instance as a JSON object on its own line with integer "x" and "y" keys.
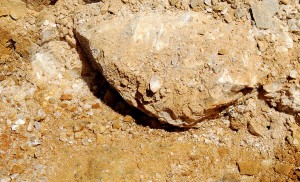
{"x": 61, "y": 121}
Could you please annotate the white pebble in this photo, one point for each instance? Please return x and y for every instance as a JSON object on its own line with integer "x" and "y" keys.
{"x": 36, "y": 142}
{"x": 20, "y": 122}
{"x": 293, "y": 74}
{"x": 14, "y": 127}
{"x": 155, "y": 84}
{"x": 207, "y": 2}
{"x": 46, "y": 22}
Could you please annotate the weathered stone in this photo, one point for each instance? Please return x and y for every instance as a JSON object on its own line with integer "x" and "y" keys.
{"x": 249, "y": 167}
{"x": 65, "y": 96}
{"x": 262, "y": 46}
{"x": 167, "y": 76}
{"x": 128, "y": 119}
{"x": 195, "y": 3}
{"x": 263, "y": 13}
{"x": 256, "y": 128}
{"x": 282, "y": 168}
{"x": 16, "y": 8}
{"x": 294, "y": 25}
{"x": 173, "y": 2}
{"x": 207, "y": 2}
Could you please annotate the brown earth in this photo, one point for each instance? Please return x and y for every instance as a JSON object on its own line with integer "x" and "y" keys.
{"x": 61, "y": 121}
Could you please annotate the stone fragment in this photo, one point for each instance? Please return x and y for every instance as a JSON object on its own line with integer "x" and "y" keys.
{"x": 236, "y": 124}
{"x": 207, "y": 2}
{"x": 293, "y": 74}
{"x": 48, "y": 34}
{"x": 66, "y": 96}
{"x": 167, "y": 76}
{"x": 223, "y": 51}
{"x": 173, "y": 2}
{"x": 219, "y": 7}
{"x": 154, "y": 84}
{"x": 195, "y": 3}
{"x": 104, "y": 8}
{"x": 283, "y": 168}
{"x": 256, "y": 128}
{"x": 18, "y": 168}
{"x": 16, "y": 8}
{"x": 263, "y": 12}
{"x": 294, "y": 25}
{"x": 285, "y": 2}
{"x": 116, "y": 125}
{"x": 249, "y": 167}
{"x": 296, "y": 136}
{"x": 228, "y": 18}
{"x": 96, "y": 106}
{"x": 128, "y": 118}
{"x": 239, "y": 13}
{"x": 272, "y": 87}
{"x": 262, "y": 46}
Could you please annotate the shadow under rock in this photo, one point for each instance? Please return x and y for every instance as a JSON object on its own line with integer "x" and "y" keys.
{"x": 108, "y": 95}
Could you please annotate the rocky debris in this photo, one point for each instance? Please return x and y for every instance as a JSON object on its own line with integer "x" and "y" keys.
{"x": 16, "y": 9}
{"x": 159, "y": 68}
{"x": 284, "y": 96}
{"x": 263, "y": 13}
{"x": 249, "y": 167}
{"x": 283, "y": 168}
{"x": 294, "y": 25}
{"x": 31, "y": 90}
{"x": 128, "y": 119}
{"x": 256, "y": 127}
{"x": 66, "y": 96}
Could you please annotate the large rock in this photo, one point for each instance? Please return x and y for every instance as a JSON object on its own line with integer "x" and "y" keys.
{"x": 179, "y": 67}
{"x": 263, "y": 12}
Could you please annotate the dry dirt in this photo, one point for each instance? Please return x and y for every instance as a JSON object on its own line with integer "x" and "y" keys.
{"x": 61, "y": 121}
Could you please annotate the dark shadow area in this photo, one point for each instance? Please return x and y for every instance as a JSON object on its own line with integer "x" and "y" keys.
{"x": 53, "y": 2}
{"x": 91, "y": 1}
{"x": 108, "y": 95}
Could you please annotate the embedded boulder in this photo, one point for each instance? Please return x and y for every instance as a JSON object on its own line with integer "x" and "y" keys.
{"x": 180, "y": 67}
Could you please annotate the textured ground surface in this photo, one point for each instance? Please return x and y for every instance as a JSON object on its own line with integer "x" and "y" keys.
{"x": 61, "y": 121}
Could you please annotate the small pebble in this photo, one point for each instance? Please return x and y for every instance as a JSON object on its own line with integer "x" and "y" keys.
{"x": 155, "y": 84}
{"x": 249, "y": 167}
{"x": 282, "y": 168}
{"x": 207, "y": 2}
{"x": 96, "y": 106}
{"x": 173, "y": 2}
{"x": 222, "y": 52}
{"x": 20, "y": 122}
{"x": 195, "y": 3}
{"x": 128, "y": 118}
{"x": 293, "y": 74}
{"x": 262, "y": 46}
{"x": 256, "y": 128}
{"x": 104, "y": 8}
{"x": 116, "y": 125}
{"x": 285, "y": 2}
{"x": 66, "y": 97}
{"x": 228, "y": 18}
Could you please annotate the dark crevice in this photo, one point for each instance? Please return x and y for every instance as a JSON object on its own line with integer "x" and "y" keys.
{"x": 11, "y": 44}
{"x": 53, "y": 2}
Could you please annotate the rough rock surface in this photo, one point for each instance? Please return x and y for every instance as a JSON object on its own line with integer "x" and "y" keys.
{"x": 169, "y": 65}
{"x": 263, "y": 12}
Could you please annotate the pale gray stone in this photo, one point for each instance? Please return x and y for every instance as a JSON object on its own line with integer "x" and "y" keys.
{"x": 263, "y": 13}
